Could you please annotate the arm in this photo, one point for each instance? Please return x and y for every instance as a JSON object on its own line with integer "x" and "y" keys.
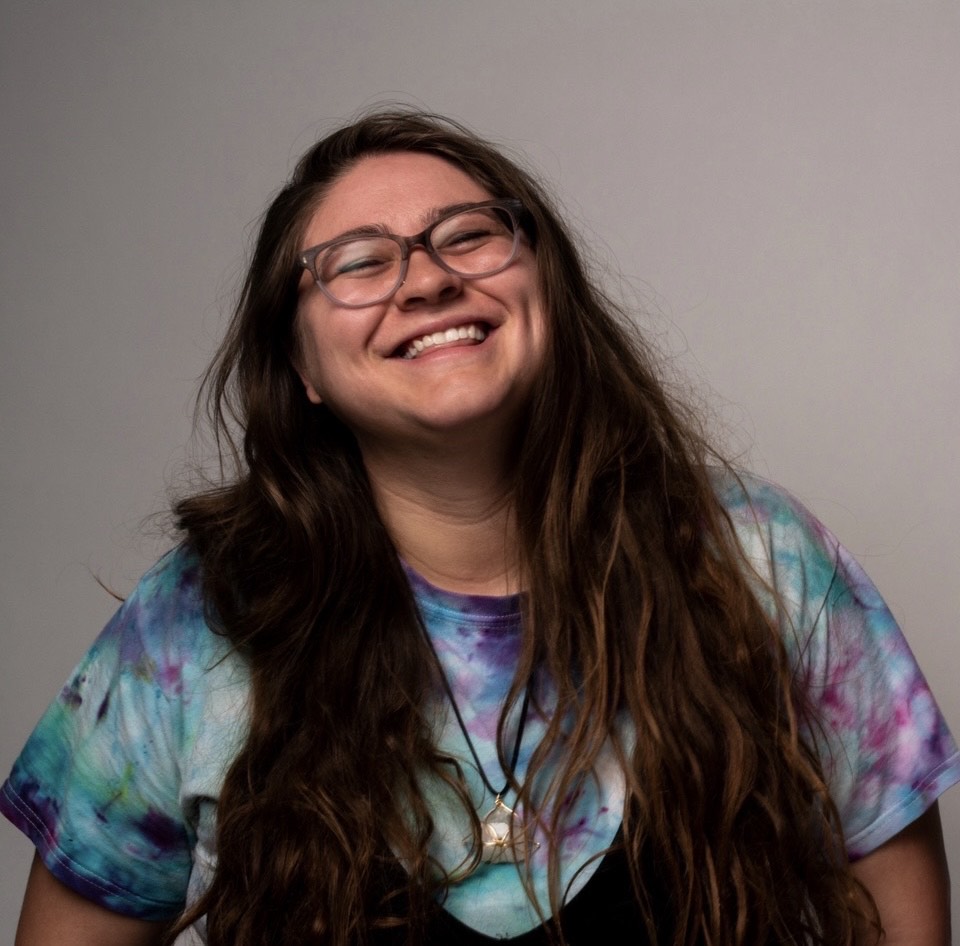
{"x": 53, "y": 913}
{"x": 910, "y": 884}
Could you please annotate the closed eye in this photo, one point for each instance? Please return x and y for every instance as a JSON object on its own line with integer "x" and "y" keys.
{"x": 360, "y": 267}
{"x": 358, "y": 258}
{"x": 465, "y": 240}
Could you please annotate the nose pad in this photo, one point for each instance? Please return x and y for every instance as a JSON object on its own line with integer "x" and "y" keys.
{"x": 426, "y": 281}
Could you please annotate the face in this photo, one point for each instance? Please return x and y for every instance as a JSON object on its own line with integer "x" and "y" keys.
{"x": 479, "y": 376}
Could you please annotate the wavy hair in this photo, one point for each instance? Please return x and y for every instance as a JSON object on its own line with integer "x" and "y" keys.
{"x": 639, "y": 601}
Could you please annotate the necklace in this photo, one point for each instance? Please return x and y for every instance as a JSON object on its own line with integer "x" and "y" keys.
{"x": 504, "y": 838}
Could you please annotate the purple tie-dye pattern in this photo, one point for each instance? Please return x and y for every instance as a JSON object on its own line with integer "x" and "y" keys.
{"x": 70, "y": 694}
{"x": 888, "y": 753}
{"x": 117, "y": 785}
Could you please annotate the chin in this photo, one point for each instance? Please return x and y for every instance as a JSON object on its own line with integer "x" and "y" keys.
{"x": 488, "y": 416}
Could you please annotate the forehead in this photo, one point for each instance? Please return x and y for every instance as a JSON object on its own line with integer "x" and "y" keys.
{"x": 400, "y": 192}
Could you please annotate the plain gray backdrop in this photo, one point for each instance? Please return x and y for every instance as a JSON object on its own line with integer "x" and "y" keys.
{"x": 777, "y": 185}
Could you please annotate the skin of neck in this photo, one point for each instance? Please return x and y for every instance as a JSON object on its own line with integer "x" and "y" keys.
{"x": 450, "y": 512}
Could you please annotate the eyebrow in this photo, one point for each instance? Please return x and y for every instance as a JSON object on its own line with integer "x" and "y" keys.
{"x": 378, "y": 229}
{"x": 435, "y": 213}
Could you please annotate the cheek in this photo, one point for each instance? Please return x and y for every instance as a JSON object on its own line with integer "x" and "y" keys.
{"x": 332, "y": 349}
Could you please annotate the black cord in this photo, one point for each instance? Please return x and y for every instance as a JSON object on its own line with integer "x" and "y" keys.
{"x": 463, "y": 728}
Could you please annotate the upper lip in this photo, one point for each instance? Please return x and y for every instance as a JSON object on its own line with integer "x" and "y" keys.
{"x": 441, "y": 325}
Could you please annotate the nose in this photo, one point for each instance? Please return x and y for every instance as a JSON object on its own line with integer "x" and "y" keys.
{"x": 426, "y": 282}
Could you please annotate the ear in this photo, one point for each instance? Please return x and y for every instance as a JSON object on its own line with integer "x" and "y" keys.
{"x": 313, "y": 395}
{"x": 296, "y": 361}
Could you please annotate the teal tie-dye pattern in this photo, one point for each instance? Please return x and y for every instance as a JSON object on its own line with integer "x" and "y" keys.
{"x": 118, "y": 784}
{"x": 110, "y": 784}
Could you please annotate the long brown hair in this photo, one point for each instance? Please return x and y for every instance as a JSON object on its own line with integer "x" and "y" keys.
{"x": 638, "y": 601}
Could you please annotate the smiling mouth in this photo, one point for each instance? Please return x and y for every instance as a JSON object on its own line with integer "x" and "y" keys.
{"x": 471, "y": 334}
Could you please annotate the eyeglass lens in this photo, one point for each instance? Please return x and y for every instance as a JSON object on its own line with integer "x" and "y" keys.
{"x": 362, "y": 270}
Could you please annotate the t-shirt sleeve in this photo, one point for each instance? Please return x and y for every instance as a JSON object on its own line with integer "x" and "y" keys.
{"x": 96, "y": 787}
{"x": 885, "y": 746}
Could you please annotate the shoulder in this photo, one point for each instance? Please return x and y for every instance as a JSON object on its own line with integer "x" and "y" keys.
{"x": 761, "y": 511}
{"x": 152, "y": 658}
{"x": 796, "y": 556}
{"x": 163, "y": 623}
{"x": 169, "y": 595}
{"x": 788, "y": 547}
{"x": 812, "y": 585}
{"x": 154, "y": 666}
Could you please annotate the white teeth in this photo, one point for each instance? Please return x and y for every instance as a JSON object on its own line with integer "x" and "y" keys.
{"x": 418, "y": 345}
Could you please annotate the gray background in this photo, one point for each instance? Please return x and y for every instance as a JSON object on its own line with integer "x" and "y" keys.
{"x": 777, "y": 183}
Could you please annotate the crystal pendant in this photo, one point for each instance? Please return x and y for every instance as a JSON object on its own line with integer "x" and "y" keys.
{"x": 504, "y": 836}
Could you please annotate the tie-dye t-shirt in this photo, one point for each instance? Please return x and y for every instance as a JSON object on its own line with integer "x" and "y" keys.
{"x": 117, "y": 786}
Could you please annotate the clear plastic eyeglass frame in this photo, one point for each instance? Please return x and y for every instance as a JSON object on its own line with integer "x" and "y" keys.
{"x": 510, "y": 205}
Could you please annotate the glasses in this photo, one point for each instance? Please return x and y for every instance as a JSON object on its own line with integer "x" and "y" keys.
{"x": 471, "y": 241}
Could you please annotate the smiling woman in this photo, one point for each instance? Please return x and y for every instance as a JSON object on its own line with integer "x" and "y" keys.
{"x": 481, "y": 640}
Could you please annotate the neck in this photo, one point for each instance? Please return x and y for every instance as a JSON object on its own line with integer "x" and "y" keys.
{"x": 451, "y": 517}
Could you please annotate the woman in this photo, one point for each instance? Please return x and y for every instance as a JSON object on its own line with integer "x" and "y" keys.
{"x": 475, "y": 643}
